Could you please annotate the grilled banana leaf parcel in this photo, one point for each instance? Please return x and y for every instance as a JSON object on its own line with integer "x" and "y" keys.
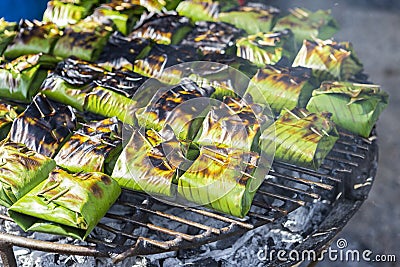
{"x": 149, "y": 162}
{"x": 307, "y": 25}
{"x": 93, "y": 148}
{"x": 7, "y": 116}
{"x": 199, "y": 10}
{"x": 300, "y": 138}
{"x": 33, "y": 38}
{"x": 354, "y": 107}
{"x": 63, "y": 13}
{"x": 281, "y": 87}
{"x": 7, "y": 33}
{"x": 84, "y": 40}
{"x": 220, "y": 179}
{"x": 44, "y": 126}
{"x": 329, "y": 60}
{"x": 21, "y": 78}
{"x": 66, "y": 204}
{"x": 21, "y": 170}
{"x": 253, "y": 18}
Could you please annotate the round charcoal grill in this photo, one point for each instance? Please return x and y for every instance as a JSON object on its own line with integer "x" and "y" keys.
{"x": 140, "y": 225}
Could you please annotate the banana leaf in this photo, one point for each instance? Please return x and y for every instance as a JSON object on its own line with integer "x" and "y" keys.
{"x": 213, "y": 37}
{"x": 7, "y": 33}
{"x": 153, "y": 6}
{"x": 307, "y": 25}
{"x": 84, "y": 40}
{"x": 44, "y": 126}
{"x": 266, "y": 48}
{"x": 21, "y": 78}
{"x": 199, "y": 10}
{"x": 253, "y": 18}
{"x": 63, "y": 14}
{"x": 281, "y": 87}
{"x": 93, "y": 148}
{"x": 220, "y": 179}
{"x": 21, "y": 170}
{"x": 164, "y": 29}
{"x": 66, "y": 204}
{"x": 238, "y": 63}
{"x": 300, "y": 137}
{"x": 33, "y": 38}
{"x": 181, "y": 107}
{"x": 7, "y": 116}
{"x": 88, "y": 4}
{"x": 329, "y": 60}
{"x": 7, "y": 26}
{"x": 354, "y": 107}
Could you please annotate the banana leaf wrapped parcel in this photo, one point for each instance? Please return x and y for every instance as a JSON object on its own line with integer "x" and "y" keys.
{"x": 66, "y": 204}
{"x": 7, "y": 33}
{"x": 354, "y": 107}
{"x": 199, "y": 10}
{"x": 300, "y": 137}
{"x": 21, "y": 170}
{"x": 63, "y": 13}
{"x": 7, "y": 116}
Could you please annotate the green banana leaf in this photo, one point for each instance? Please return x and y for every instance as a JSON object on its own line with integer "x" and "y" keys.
{"x": 7, "y": 26}
{"x": 307, "y": 25}
{"x": 149, "y": 162}
{"x": 164, "y": 29}
{"x": 33, "y": 38}
{"x": 88, "y": 4}
{"x": 66, "y": 204}
{"x": 266, "y": 48}
{"x": 213, "y": 37}
{"x": 300, "y": 138}
{"x": 21, "y": 170}
{"x": 154, "y": 6}
{"x": 329, "y": 60}
{"x": 220, "y": 179}
{"x": 281, "y": 87}
{"x": 63, "y": 14}
{"x": 182, "y": 107}
{"x": 93, "y": 148}
{"x": 253, "y": 18}
{"x": 354, "y": 107}
{"x": 199, "y": 10}
{"x": 7, "y": 116}
{"x": 21, "y": 78}
{"x": 7, "y": 33}
{"x": 84, "y": 40}
{"x": 44, "y": 126}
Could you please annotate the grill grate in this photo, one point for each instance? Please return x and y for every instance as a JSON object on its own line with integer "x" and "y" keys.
{"x": 140, "y": 225}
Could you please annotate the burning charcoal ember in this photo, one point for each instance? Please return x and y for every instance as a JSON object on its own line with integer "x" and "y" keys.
{"x": 21, "y": 170}
{"x": 44, "y": 126}
{"x": 66, "y": 204}
{"x": 220, "y": 178}
{"x": 266, "y": 48}
{"x": 253, "y": 18}
{"x": 199, "y": 10}
{"x": 329, "y": 60}
{"x": 235, "y": 124}
{"x": 307, "y": 25}
{"x": 84, "y": 40}
{"x": 301, "y": 138}
{"x": 7, "y": 116}
{"x": 93, "y": 148}
{"x": 213, "y": 37}
{"x": 149, "y": 163}
{"x": 181, "y": 107}
{"x": 21, "y": 78}
{"x": 7, "y": 33}
{"x": 281, "y": 87}
{"x": 33, "y": 38}
{"x": 354, "y": 107}
{"x": 161, "y": 57}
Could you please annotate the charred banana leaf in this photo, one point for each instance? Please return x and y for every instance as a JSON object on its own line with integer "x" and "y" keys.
{"x": 44, "y": 126}
{"x": 220, "y": 179}
{"x": 281, "y": 87}
{"x": 238, "y": 63}
{"x": 213, "y": 37}
{"x": 307, "y": 25}
{"x": 149, "y": 164}
{"x": 63, "y": 13}
{"x": 355, "y": 107}
{"x": 154, "y": 6}
{"x": 199, "y": 10}
{"x": 164, "y": 29}
{"x": 329, "y": 60}
{"x": 84, "y": 40}
{"x": 21, "y": 170}
{"x": 253, "y": 18}
{"x": 7, "y": 116}
{"x": 93, "y": 148}
{"x": 300, "y": 138}
{"x": 7, "y": 33}
{"x": 33, "y": 38}
{"x": 66, "y": 204}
